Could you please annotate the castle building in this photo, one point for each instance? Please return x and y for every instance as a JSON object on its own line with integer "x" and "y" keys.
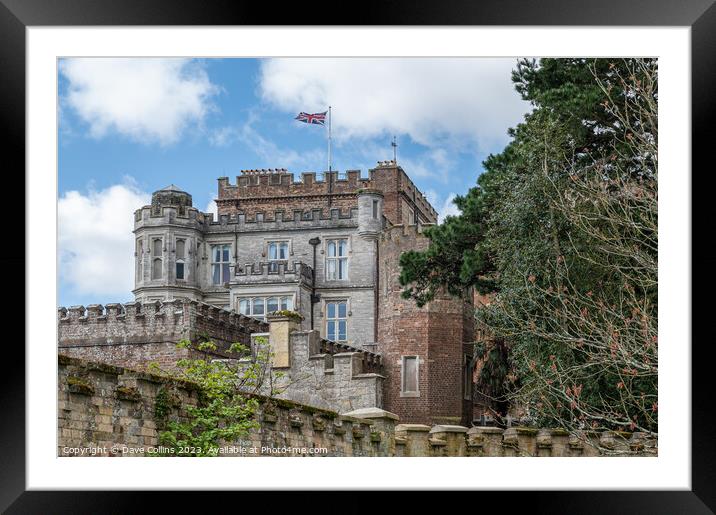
{"x": 327, "y": 248}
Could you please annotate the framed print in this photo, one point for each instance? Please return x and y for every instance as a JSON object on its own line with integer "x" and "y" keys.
{"x": 417, "y": 233}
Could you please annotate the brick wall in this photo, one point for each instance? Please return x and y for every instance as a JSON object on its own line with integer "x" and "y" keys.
{"x": 435, "y": 333}
{"x": 266, "y": 191}
{"x": 262, "y": 191}
{"x": 104, "y": 410}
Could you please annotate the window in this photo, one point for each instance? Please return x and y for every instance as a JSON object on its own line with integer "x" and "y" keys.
{"x": 220, "y": 263}
{"x": 375, "y": 209}
{"x": 156, "y": 258}
{"x": 180, "y": 250}
{"x": 336, "y": 320}
{"x": 467, "y": 379}
{"x": 337, "y": 260}
{"x": 156, "y": 269}
{"x": 409, "y": 383}
{"x": 277, "y": 252}
{"x": 140, "y": 259}
{"x": 259, "y": 307}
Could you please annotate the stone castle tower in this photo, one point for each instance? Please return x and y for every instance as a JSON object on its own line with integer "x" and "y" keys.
{"x": 327, "y": 247}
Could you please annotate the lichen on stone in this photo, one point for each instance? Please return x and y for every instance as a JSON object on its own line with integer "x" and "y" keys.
{"x": 127, "y": 393}
{"x": 79, "y": 385}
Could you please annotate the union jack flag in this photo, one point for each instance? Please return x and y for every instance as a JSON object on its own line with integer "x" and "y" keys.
{"x": 317, "y": 118}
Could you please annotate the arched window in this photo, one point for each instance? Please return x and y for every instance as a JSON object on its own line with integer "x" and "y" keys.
{"x": 156, "y": 268}
{"x": 180, "y": 247}
{"x": 140, "y": 259}
{"x": 156, "y": 258}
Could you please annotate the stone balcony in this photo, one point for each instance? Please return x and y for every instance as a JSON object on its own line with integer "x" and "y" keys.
{"x": 277, "y": 272}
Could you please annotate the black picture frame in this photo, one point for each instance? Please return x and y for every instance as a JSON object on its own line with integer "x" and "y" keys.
{"x": 16, "y": 15}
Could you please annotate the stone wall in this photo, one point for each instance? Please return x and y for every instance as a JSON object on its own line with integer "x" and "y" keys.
{"x": 105, "y": 410}
{"x": 102, "y": 407}
{"x": 323, "y": 373}
{"x": 315, "y": 371}
{"x": 135, "y": 334}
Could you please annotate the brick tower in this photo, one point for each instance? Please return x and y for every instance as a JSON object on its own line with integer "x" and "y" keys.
{"x": 426, "y": 351}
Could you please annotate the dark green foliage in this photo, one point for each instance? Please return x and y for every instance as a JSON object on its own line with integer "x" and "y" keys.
{"x": 561, "y": 232}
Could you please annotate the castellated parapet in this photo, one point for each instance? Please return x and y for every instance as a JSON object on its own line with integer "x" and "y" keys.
{"x": 319, "y": 372}
{"x": 136, "y": 334}
{"x": 272, "y": 273}
{"x": 106, "y": 410}
{"x": 323, "y": 373}
{"x": 263, "y": 190}
{"x": 281, "y": 221}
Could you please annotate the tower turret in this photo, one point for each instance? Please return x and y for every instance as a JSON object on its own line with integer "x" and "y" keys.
{"x": 370, "y": 212}
{"x": 170, "y": 196}
{"x": 168, "y": 233}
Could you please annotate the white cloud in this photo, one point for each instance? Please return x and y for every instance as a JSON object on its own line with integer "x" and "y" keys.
{"x": 96, "y": 244}
{"x": 448, "y": 208}
{"x": 432, "y": 197}
{"x": 437, "y": 102}
{"x": 273, "y": 155}
{"x": 211, "y": 207}
{"x": 147, "y": 100}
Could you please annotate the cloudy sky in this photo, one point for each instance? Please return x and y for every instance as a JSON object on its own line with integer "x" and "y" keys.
{"x": 128, "y": 127}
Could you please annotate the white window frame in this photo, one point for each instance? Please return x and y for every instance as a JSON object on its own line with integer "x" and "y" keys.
{"x": 337, "y": 319}
{"x": 180, "y": 260}
{"x": 212, "y": 263}
{"x": 273, "y": 262}
{"x": 264, "y": 298}
{"x": 403, "y": 391}
{"x": 337, "y": 258}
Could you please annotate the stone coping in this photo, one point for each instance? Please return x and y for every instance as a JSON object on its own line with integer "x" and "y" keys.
{"x": 371, "y": 413}
{"x": 412, "y": 427}
{"x": 448, "y": 429}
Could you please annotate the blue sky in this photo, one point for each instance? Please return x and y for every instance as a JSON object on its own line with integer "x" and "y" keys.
{"x": 128, "y": 127}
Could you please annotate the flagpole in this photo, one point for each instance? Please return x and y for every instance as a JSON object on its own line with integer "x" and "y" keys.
{"x": 330, "y": 160}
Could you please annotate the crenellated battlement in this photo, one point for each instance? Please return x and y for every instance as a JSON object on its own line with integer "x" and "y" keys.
{"x": 370, "y": 361}
{"x": 324, "y": 373}
{"x": 277, "y": 220}
{"x": 176, "y": 311}
{"x": 264, "y": 271}
{"x": 404, "y": 235}
{"x": 254, "y": 189}
{"x": 164, "y": 215}
{"x": 281, "y": 177}
{"x": 100, "y": 416}
{"x": 135, "y": 333}
{"x": 306, "y": 216}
